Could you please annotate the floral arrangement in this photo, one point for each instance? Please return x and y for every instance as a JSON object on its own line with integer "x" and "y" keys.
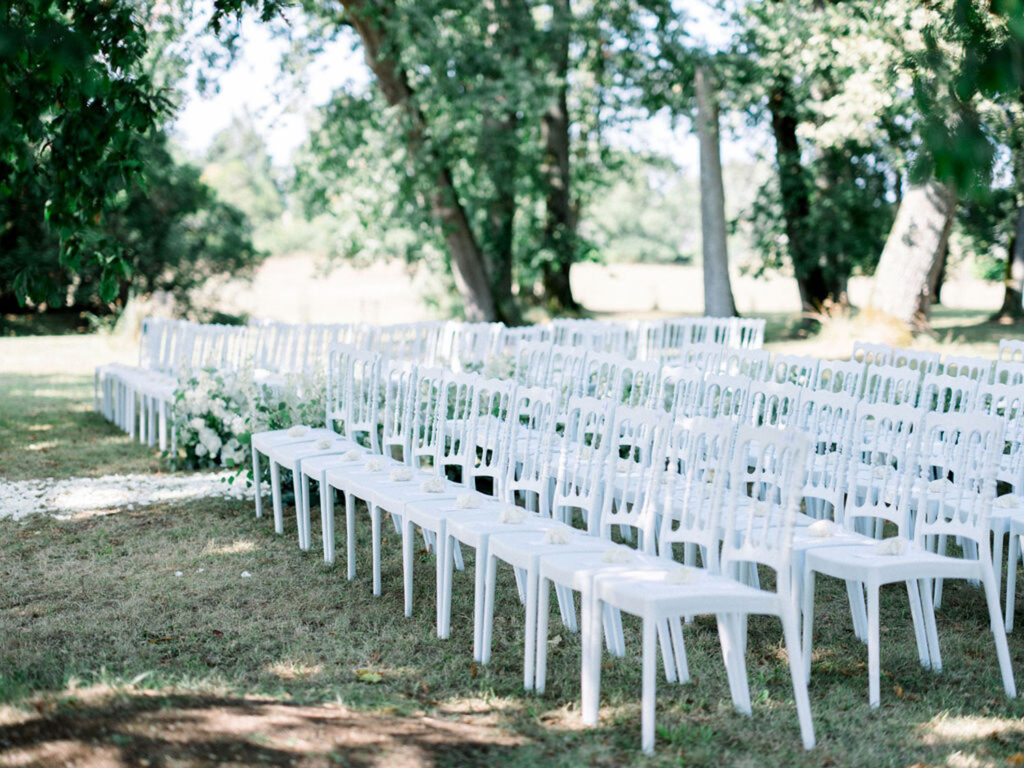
{"x": 217, "y": 412}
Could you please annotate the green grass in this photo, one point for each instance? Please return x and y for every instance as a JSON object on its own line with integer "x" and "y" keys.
{"x": 97, "y": 632}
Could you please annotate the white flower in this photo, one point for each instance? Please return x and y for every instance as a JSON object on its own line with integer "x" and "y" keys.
{"x": 760, "y": 509}
{"x": 683, "y": 575}
{"x": 892, "y": 546}
{"x": 401, "y": 474}
{"x": 939, "y": 486}
{"x": 883, "y": 471}
{"x": 238, "y": 425}
{"x": 625, "y": 465}
{"x": 201, "y": 450}
{"x": 246, "y": 575}
{"x": 467, "y": 501}
{"x": 1008, "y": 501}
{"x": 374, "y": 465}
{"x": 556, "y": 536}
{"x": 196, "y": 423}
{"x": 323, "y": 443}
{"x": 821, "y": 529}
{"x": 297, "y": 431}
{"x": 618, "y": 555}
{"x": 211, "y": 440}
{"x": 179, "y": 573}
{"x": 200, "y": 570}
{"x": 511, "y": 515}
{"x": 433, "y": 485}
{"x": 353, "y": 454}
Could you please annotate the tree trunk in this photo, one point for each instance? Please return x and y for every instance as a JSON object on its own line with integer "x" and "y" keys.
{"x": 912, "y": 252}
{"x": 1013, "y": 292}
{"x": 938, "y": 277}
{"x": 718, "y": 300}
{"x": 467, "y": 262}
{"x": 499, "y": 140}
{"x": 813, "y": 279}
{"x": 560, "y": 219}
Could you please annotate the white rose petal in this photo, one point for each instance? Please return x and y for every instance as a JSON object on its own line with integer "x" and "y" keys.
{"x": 297, "y": 431}
{"x": 760, "y": 509}
{"x": 179, "y": 573}
{"x": 355, "y": 455}
{"x": 618, "y": 555}
{"x": 556, "y": 536}
{"x": 511, "y": 515}
{"x": 939, "y": 486}
{"x": 401, "y": 474}
{"x": 1008, "y": 501}
{"x": 433, "y": 485}
{"x": 822, "y": 529}
{"x": 467, "y": 501}
{"x": 375, "y": 465}
{"x": 323, "y": 443}
{"x": 246, "y": 575}
{"x": 883, "y": 471}
{"x": 200, "y": 570}
{"x": 892, "y": 546}
{"x": 683, "y": 575}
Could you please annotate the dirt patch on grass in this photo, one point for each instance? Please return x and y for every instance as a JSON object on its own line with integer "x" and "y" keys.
{"x": 148, "y": 729}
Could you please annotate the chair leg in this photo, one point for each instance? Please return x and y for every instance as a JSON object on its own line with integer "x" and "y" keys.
{"x": 858, "y": 613}
{"x": 679, "y": 649}
{"x": 649, "y": 662}
{"x": 407, "y": 545}
{"x": 488, "y": 618}
{"x": 1011, "y": 579}
{"x": 665, "y": 648}
{"x": 790, "y": 624}
{"x": 327, "y": 520}
{"x": 350, "y": 535}
{"x": 914, "y": 599}
{"x": 301, "y": 482}
{"x": 479, "y": 589}
{"x": 874, "y": 666}
{"x": 257, "y": 490}
{"x": 590, "y": 679}
{"x": 375, "y": 535}
{"x": 443, "y": 615}
{"x": 940, "y": 549}
{"x": 275, "y": 492}
{"x": 928, "y": 608}
{"x": 531, "y": 642}
{"x": 808, "y": 615}
{"x": 998, "y": 632}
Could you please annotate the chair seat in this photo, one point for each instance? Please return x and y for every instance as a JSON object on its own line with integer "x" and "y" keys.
{"x": 266, "y": 441}
{"x": 863, "y": 563}
{"x": 646, "y": 588}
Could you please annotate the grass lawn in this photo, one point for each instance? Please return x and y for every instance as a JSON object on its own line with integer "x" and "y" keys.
{"x": 109, "y": 658}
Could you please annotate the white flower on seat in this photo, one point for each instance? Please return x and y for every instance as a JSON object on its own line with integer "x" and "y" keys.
{"x": 556, "y": 536}
{"x": 893, "y": 546}
{"x": 297, "y": 431}
{"x": 618, "y": 555}
{"x": 353, "y": 454}
{"x": 433, "y": 485}
{"x": 467, "y": 501}
{"x": 401, "y": 474}
{"x": 511, "y": 515}
{"x": 323, "y": 443}
{"x": 375, "y": 465}
{"x": 939, "y": 486}
{"x": 1008, "y": 501}
{"x": 822, "y": 529}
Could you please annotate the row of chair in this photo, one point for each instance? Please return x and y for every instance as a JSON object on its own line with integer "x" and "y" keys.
{"x": 440, "y": 438}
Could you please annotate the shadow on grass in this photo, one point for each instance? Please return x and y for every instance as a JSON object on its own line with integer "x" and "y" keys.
{"x": 148, "y": 729}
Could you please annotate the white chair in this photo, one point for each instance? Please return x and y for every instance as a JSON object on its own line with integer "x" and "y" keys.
{"x": 872, "y": 354}
{"x": 958, "y": 503}
{"x": 916, "y": 359}
{"x": 945, "y": 393}
{"x": 846, "y": 376}
{"x": 978, "y": 369}
{"x": 794, "y": 369}
{"x": 660, "y": 595}
{"x": 755, "y": 364}
{"x": 1011, "y": 351}
{"x": 578, "y": 489}
{"x": 1008, "y": 373}
{"x": 680, "y": 391}
{"x": 890, "y": 385}
{"x": 772, "y": 404}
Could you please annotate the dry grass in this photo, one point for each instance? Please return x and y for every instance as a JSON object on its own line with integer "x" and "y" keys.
{"x": 108, "y": 658}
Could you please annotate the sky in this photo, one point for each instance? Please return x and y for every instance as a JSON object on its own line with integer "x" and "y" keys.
{"x": 254, "y": 84}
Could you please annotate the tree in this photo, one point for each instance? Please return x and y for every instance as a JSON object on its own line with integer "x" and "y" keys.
{"x": 488, "y": 121}
{"x": 73, "y": 109}
{"x": 718, "y": 300}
